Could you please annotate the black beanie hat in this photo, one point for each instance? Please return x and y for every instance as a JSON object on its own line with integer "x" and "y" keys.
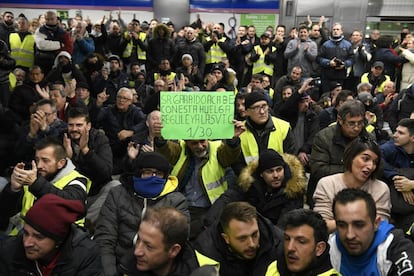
{"x": 82, "y": 84}
{"x": 153, "y": 160}
{"x": 269, "y": 158}
{"x": 254, "y": 97}
{"x": 219, "y": 67}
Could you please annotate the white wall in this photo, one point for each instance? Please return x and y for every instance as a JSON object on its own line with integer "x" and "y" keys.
{"x": 94, "y": 15}
{"x": 127, "y": 15}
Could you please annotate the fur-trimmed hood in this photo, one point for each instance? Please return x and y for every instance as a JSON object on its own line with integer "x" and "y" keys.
{"x": 167, "y": 31}
{"x": 294, "y": 186}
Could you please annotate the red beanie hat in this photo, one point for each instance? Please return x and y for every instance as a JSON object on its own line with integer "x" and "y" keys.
{"x": 52, "y": 215}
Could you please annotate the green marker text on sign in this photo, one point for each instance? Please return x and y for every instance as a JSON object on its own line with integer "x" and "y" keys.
{"x": 197, "y": 115}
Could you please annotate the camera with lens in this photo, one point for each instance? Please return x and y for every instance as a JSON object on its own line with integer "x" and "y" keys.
{"x": 339, "y": 62}
{"x": 316, "y": 82}
{"x": 215, "y": 35}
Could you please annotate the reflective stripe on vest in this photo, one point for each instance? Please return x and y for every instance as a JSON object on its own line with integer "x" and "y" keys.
{"x": 142, "y": 55}
{"x": 249, "y": 145}
{"x": 212, "y": 173}
{"x": 260, "y": 66}
{"x": 170, "y": 76}
{"x": 215, "y": 54}
{"x": 128, "y": 49}
{"x": 22, "y": 51}
{"x": 29, "y": 198}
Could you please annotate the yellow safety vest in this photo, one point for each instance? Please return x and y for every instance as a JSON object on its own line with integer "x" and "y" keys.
{"x": 272, "y": 270}
{"x": 170, "y": 76}
{"x": 260, "y": 66}
{"x": 22, "y": 51}
{"x": 271, "y": 92}
{"x": 249, "y": 145}
{"x": 364, "y": 78}
{"x": 204, "y": 260}
{"x": 29, "y": 199}
{"x": 12, "y": 81}
{"x": 215, "y": 54}
{"x": 142, "y": 55}
{"x": 212, "y": 173}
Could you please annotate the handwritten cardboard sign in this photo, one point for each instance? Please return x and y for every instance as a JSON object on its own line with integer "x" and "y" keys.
{"x": 197, "y": 115}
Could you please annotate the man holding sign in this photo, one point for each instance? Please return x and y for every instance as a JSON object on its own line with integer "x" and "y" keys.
{"x": 199, "y": 165}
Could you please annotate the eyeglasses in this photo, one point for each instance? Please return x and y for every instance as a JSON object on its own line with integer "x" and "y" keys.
{"x": 258, "y": 108}
{"x": 149, "y": 173}
{"x": 354, "y": 124}
{"x": 121, "y": 98}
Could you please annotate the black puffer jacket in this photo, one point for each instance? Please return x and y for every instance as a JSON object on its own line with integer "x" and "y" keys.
{"x": 160, "y": 47}
{"x": 320, "y": 266}
{"x": 79, "y": 256}
{"x": 185, "y": 263}
{"x": 112, "y": 121}
{"x": 211, "y": 244}
{"x": 401, "y": 107}
{"x": 22, "y": 99}
{"x": 289, "y": 111}
{"x": 195, "y": 49}
{"x": 7, "y": 63}
{"x": 120, "y": 217}
{"x": 251, "y": 188}
{"x": 97, "y": 163}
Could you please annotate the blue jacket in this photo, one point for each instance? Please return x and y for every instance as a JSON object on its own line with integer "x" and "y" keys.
{"x": 81, "y": 48}
{"x": 397, "y": 162}
{"x": 391, "y": 254}
{"x": 341, "y": 49}
{"x": 389, "y": 59}
{"x": 394, "y": 158}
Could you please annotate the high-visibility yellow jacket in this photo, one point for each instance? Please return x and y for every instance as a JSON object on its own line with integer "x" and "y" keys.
{"x": 22, "y": 51}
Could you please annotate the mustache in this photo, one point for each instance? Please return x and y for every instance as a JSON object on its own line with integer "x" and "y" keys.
{"x": 292, "y": 255}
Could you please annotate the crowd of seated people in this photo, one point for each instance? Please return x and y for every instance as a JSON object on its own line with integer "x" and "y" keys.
{"x": 322, "y": 121}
